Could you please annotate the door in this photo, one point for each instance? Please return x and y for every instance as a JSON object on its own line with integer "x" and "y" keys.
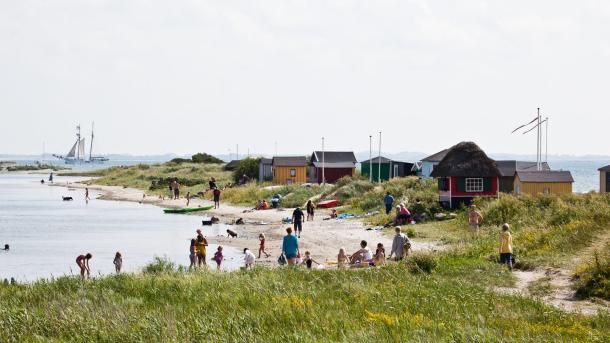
{"x": 395, "y": 170}
{"x": 607, "y": 182}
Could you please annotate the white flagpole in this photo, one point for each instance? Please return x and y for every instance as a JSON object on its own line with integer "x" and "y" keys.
{"x": 538, "y": 143}
{"x": 379, "y": 160}
{"x": 546, "y": 136}
{"x": 371, "y": 158}
{"x": 323, "y": 176}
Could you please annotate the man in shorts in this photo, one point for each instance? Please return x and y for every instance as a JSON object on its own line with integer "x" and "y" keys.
{"x": 474, "y": 218}
{"x": 297, "y": 220}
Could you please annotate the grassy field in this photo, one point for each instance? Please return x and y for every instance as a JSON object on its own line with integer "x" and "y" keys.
{"x": 391, "y": 304}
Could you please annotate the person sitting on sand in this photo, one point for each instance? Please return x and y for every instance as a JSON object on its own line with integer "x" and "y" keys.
{"x": 118, "y": 262}
{"x": 265, "y": 205}
{"x": 333, "y": 214}
{"x": 362, "y": 256}
{"x": 261, "y": 247}
{"x": 249, "y": 258}
{"x": 83, "y": 263}
{"x": 218, "y": 257}
{"x": 342, "y": 259}
{"x": 379, "y": 255}
{"x": 308, "y": 260}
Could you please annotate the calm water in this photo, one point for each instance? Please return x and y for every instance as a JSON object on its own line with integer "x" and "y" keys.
{"x": 46, "y": 234}
{"x": 586, "y": 176}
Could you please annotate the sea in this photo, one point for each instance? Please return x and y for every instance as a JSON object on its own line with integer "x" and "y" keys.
{"x": 46, "y": 234}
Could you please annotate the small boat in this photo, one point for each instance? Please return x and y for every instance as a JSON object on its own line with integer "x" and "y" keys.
{"x": 207, "y": 221}
{"x": 328, "y": 203}
{"x": 188, "y": 209}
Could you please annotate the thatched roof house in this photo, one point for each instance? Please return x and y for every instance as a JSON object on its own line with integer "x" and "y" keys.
{"x": 464, "y": 173}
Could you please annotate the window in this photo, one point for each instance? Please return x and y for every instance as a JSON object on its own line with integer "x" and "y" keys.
{"x": 547, "y": 190}
{"x": 293, "y": 172}
{"x": 518, "y": 189}
{"x": 395, "y": 171}
{"x": 474, "y": 185}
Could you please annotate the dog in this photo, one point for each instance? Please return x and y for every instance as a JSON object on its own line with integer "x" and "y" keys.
{"x": 67, "y": 198}
{"x": 231, "y": 233}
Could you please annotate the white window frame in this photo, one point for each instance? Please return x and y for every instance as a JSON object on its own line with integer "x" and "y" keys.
{"x": 546, "y": 190}
{"x": 293, "y": 172}
{"x": 474, "y": 185}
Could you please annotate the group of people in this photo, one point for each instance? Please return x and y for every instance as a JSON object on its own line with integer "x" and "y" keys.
{"x": 174, "y": 190}
{"x": 82, "y": 261}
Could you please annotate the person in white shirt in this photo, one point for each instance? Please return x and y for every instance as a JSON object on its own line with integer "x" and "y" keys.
{"x": 249, "y": 258}
{"x": 362, "y": 256}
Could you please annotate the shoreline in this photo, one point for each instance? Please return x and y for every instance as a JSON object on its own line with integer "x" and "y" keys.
{"x": 323, "y": 238}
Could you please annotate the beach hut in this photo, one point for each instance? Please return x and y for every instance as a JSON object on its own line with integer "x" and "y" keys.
{"x": 265, "y": 170}
{"x": 508, "y": 170}
{"x": 289, "y": 170}
{"x": 337, "y": 164}
{"x": 232, "y": 165}
{"x": 604, "y": 179}
{"x": 389, "y": 168}
{"x": 543, "y": 182}
{"x": 465, "y": 173}
{"x": 428, "y": 163}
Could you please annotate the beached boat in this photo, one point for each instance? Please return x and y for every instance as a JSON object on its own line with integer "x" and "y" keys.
{"x": 328, "y": 203}
{"x": 188, "y": 209}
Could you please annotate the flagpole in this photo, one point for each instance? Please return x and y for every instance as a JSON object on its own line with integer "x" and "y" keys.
{"x": 371, "y": 158}
{"x": 538, "y": 142}
{"x": 379, "y": 160}
{"x": 546, "y": 136}
{"x": 323, "y": 178}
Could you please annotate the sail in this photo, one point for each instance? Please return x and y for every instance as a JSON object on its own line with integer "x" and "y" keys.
{"x": 72, "y": 152}
{"x": 81, "y": 149}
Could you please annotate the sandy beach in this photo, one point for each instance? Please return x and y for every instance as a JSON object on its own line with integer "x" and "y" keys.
{"x": 323, "y": 238}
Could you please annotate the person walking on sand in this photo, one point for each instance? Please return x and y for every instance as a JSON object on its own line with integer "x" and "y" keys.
{"x": 388, "y": 200}
{"x": 310, "y": 210}
{"x": 118, "y": 262}
{"x": 290, "y": 247}
{"x": 474, "y": 218}
{"x": 297, "y": 221}
{"x": 83, "y": 263}
{"x": 398, "y": 244}
{"x": 249, "y": 258}
{"x": 261, "y": 247}
{"x": 216, "y": 192}
{"x": 218, "y": 257}
{"x": 188, "y": 198}
{"x": 506, "y": 247}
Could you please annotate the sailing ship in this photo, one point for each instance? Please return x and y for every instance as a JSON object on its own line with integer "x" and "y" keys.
{"x": 77, "y": 155}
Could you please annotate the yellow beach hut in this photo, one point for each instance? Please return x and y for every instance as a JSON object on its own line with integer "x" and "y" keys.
{"x": 288, "y": 170}
{"x": 543, "y": 182}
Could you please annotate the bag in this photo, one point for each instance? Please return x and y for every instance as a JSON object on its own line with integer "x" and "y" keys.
{"x": 282, "y": 260}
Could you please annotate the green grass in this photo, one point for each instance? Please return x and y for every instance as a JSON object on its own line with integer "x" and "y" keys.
{"x": 33, "y": 167}
{"x": 594, "y": 275}
{"x": 389, "y": 305}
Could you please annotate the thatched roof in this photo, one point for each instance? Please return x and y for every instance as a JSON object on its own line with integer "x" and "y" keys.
{"x": 466, "y": 159}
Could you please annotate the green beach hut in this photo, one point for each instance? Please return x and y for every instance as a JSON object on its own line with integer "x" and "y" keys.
{"x": 389, "y": 168}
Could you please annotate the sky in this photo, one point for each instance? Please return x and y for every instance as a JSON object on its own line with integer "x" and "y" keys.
{"x": 185, "y": 76}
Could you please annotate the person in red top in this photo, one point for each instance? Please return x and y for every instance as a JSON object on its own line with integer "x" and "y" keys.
{"x": 216, "y": 193}
{"x": 261, "y": 248}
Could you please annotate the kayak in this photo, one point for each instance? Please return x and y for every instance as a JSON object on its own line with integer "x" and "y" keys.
{"x": 188, "y": 209}
{"x": 328, "y": 203}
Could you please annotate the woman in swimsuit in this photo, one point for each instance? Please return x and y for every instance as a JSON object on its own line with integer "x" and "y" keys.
{"x": 83, "y": 263}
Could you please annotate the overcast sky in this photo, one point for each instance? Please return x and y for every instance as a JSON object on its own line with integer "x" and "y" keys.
{"x": 186, "y": 76}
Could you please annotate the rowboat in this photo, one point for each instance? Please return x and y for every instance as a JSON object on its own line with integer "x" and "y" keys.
{"x": 188, "y": 209}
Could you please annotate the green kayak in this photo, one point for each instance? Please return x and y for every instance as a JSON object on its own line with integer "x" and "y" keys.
{"x": 188, "y": 209}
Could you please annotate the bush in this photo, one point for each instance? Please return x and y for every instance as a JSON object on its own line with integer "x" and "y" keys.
{"x": 179, "y": 160}
{"x": 593, "y": 278}
{"x": 422, "y": 263}
{"x": 160, "y": 266}
{"x": 205, "y": 158}
{"x": 248, "y": 167}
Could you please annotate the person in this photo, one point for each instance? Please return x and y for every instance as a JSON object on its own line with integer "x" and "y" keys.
{"x": 218, "y": 257}
{"x": 290, "y": 247}
{"x": 176, "y": 190}
{"x": 216, "y": 193}
{"x": 310, "y": 210}
{"x": 264, "y": 205}
{"x": 474, "y": 218}
{"x": 388, "y": 200}
{"x": 188, "y": 198}
{"x": 83, "y": 263}
{"x": 379, "y": 255}
{"x": 403, "y": 215}
{"x": 212, "y": 183}
{"x": 249, "y": 258}
{"x": 342, "y": 258}
{"x": 297, "y": 221}
{"x": 308, "y": 260}
{"x": 7, "y": 247}
{"x": 51, "y": 178}
{"x": 42, "y": 181}
{"x": 398, "y": 244}
{"x": 333, "y": 214}
{"x": 86, "y": 195}
{"x": 362, "y": 256}
{"x": 261, "y": 247}
{"x": 506, "y": 247}
{"x": 259, "y": 205}
{"x": 193, "y": 254}
{"x": 171, "y": 189}
{"x": 118, "y": 262}
{"x": 201, "y": 250}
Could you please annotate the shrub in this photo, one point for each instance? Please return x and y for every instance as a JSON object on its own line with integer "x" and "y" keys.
{"x": 248, "y": 167}
{"x": 593, "y": 278}
{"x": 422, "y": 263}
{"x": 205, "y": 158}
{"x": 159, "y": 266}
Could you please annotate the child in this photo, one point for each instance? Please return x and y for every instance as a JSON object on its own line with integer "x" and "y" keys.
{"x": 218, "y": 257}
{"x": 333, "y": 214}
{"x": 308, "y": 261}
{"x": 83, "y": 263}
{"x": 380, "y": 255}
{"x": 506, "y": 247}
{"x": 342, "y": 259}
{"x": 249, "y": 258}
{"x": 188, "y": 198}
{"x": 261, "y": 248}
{"x": 216, "y": 194}
{"x": 193, "y": 254}
{"x": 118, "y": 262}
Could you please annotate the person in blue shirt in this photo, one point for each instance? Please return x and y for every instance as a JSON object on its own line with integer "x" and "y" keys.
{"x": 290, "y": 247}
{"x": 388, "y": 200}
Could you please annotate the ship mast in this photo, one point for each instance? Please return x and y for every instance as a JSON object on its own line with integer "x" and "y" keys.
{"x": 91, "y": 146}
{"x": 78, "y": 142}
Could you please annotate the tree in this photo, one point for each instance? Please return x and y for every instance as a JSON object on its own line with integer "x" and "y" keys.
{"x": 248, "y": 167}
{"x": 205, "y": 158}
